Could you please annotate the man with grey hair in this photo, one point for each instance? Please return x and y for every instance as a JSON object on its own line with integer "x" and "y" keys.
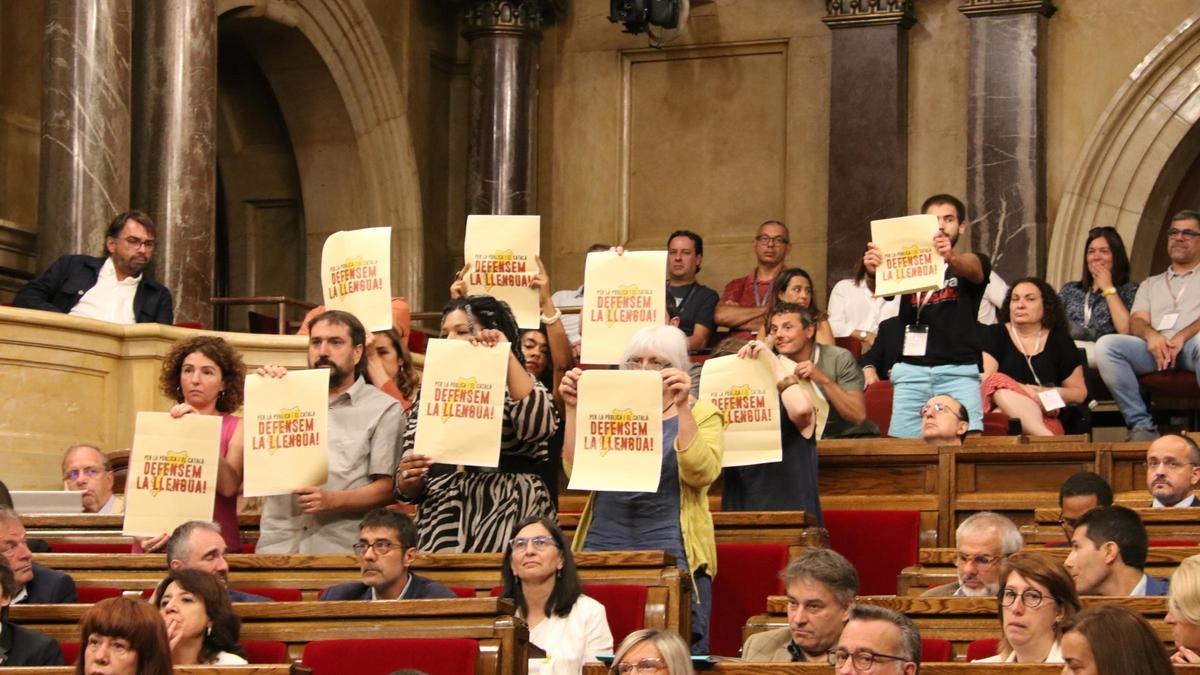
{"x": 86, "y": 469}
{"x": 821, "y": 585}
{"x": 34, "y": 584}
{"x": 984, "y": 539}
{"x": 879, "y": 641}
{"x": 198, "y": 545}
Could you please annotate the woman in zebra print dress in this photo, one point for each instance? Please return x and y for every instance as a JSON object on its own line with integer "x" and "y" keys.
{"x": 475, "y": 510}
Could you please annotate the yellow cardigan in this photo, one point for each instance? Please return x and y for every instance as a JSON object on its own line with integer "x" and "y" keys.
{"x": 699, "y": 466}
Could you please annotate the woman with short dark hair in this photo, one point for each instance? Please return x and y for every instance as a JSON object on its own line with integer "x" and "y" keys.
{"x": 1112, "y": 640}
{"x": 201, "y": 626}
{"x": 123, "y": 636}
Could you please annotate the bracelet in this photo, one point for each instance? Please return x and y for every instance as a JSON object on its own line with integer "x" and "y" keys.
{"x": 553, "y": 318}
{"x": 786, "y": 382}
{"x": 1108, "y": 291}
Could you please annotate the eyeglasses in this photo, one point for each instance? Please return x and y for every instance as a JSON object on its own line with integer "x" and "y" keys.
{"x": 89, "y": 471}
{"x": 647, "y": 665}
{"x": 135, "y": 242}
{"x": 381, "y": 547}
{"x": 863, "y": 659}
{"x": 1031, "y": 598}
{"x": 981, "y": 561}
{"x": 1069, "y": 522}
{"x": 1180, "y": 232}
{"x": 538, "y": 543}
{"x": 1170, "y": 464}
{"x": 767, "y": 240}
{"x": 651, "y": 363}
{"x": 941, "y": 408}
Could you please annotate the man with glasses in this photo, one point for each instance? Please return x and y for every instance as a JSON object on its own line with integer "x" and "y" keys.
{"x": 1172, "y": 471}
{"x": 198, "y": 545}
{"x": 944, "y": 421}
{"x": 87, "y": 470}
{"x": 1080, "y": 493}
{"x": 386, "y": 548}
{"x": 984, "y": 540}
{"x": 112, "y": 287}
{"x": 744, "y": 301}
{"x": 879, "y": 641}
{"x": 35, "y": 585}
{"x": 1108, "y": 555}
{"x": 1163, "y": 324}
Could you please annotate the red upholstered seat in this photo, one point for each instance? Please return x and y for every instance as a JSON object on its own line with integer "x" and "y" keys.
{"x": 879, "y": 544}
{"x": 265, "y": 651}
{"x": 982, "y": 649}
{"x": 935, "y": 649}
{"x": 417, "y": 340}
{"x": 277, "y": 594}
{"x": 851, "y": 344}
{"x": 746, "y": 575}
{"x": 1172, "y": 542}
{"x": 879, "y": 405}
{"x": 995, "y": 424}
{"x": 89, "y": 595}
{"x": 435, "y": 656}
{"x": 70, "y": 650}
{"x": 88, "y": 547}
{"x": 624, "y": 605}
{"x": 460, "y": 591}
{"x": 190, "y": 324}
{"x": 1173, "y": 384}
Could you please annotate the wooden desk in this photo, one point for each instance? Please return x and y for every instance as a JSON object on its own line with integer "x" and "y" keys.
{"x": 796, "y": 529}
{"x": 1160, "y": 523}
{"x": 93, "y": 528}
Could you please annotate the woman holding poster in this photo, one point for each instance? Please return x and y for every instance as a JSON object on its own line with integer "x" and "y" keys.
{"x": 675, "y": 518}
{"x": 795, "y": 285}
{"x": 205, "y": 375}
{"x": 475, "y": 510}
{"x": 390, "y": 366}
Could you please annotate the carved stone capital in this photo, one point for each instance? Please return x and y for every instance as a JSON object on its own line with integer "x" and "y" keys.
{"x": 521, "y": 17}
{"x": 857, "y": 13}
{"x": 974, "y": 8}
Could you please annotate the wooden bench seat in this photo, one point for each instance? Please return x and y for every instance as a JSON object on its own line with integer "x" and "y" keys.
{"x": 278, "y": 669}
{"x": 737, "y": 668}
{"x": 91, "y": 528}
{"x": 1160, "y": 523}
{"x": 795, "y": 529}
{"x": 503, "y": 638}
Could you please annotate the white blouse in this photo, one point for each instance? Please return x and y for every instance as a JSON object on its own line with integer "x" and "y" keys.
{"x": 571, "y": 640}
{"x": 852, "y": 308}
{"x": 1055, "y": 656}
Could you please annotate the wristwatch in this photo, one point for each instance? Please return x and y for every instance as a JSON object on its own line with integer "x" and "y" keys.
{"x": 1108, "y": 291}
{"x": 862, "y": 335}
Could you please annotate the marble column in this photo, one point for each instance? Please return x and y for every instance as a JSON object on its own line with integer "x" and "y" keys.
{"x": 868, "y": 130}
{"x": 84, "y": 178}
{"x": 1006, "y": 133}
{"x": 174, "y": 150}
{"x": 502, "y": 136}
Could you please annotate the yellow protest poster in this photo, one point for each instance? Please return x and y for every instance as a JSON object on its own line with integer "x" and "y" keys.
{"x": 172, "y": 472}
{"x": 283, "y": 425}
{"x": 462, "y": 402}
{"x": 618, "y": 431}
{"x": 744, "y": 391}
{"x": 501, "y": 254}
{"x": 910, "y": 264}
{"x": 820, "y": 404}
{"x": 356, "y": 275}
{"x": 621, "y": 294}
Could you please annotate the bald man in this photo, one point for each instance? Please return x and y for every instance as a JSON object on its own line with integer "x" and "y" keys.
{"x": 86, "y": 469}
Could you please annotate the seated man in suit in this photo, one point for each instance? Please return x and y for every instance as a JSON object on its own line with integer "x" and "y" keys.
{"x": 198, "y": 545}
{"x": 877, "y": 640}
{"x": 35, "y": 585}
{"x": 387, "y": 545}
{"x": 86, "y": 469}
{"x": 821, "y": 585}
{"x": 1173, "y": 471}
{"x": 1108, "y": 554}
{"x": 1081, "y": 492}
{"x": 21, "y": 646}
{"x": 984, "y": 539}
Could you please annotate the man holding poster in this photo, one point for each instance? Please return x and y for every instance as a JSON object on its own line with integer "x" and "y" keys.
{"x": 363, "y": 430}
{"x": 940, "y": 351}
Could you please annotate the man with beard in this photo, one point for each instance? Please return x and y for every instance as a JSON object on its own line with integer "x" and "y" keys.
{"x": 198, "y": 545}
{"x": 939, "y": 350}
{"x": 363, "y": 432}
{"x": 109, "y": 288}
{"x": 984, "y": 539}
{"x": 386, "y": 548}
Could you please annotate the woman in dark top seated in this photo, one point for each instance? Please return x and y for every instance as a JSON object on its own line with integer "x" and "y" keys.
{"x": 1031, "y": 367}
{"x": 201, "y": 625}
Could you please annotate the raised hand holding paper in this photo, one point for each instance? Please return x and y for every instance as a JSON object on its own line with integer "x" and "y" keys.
{"x": 910, "y": 263}
{"x": 621, "y": 294}
{"x": 820, "y": 404}
{"x": 356, "y": 275}
{"x": 172, "y": 472}
{"x": 744, "y": 391}
{"x": 501, "y": 254}
{"x": 618, "y": 431}
{"x": 284, "y": 426}
{"x": 462, "y": 402}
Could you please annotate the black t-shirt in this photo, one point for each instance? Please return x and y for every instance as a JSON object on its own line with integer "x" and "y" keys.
{"x": 1055, "y": 363}
{"x": 697, "y": 305}
{"x": 951, "y": 314}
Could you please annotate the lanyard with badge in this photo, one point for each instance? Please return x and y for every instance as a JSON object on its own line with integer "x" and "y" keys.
{"x": 1087, "y": 308}
{"x": 916, "y": 334}
{"x": 1050, "y": 398}
{"x": 1168, "y": 321}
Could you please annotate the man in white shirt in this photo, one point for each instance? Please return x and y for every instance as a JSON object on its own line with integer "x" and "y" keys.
{"x": 110, "y": 288}
{"x": 86, "y": 469}
{"x": 1172, "y": 471}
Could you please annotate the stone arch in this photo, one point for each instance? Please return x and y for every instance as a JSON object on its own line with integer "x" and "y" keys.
{"x": 1135, "y": 157}
{"x": 345, "y": 35}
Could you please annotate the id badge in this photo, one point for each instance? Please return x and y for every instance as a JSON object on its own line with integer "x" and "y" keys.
{"x": 1051, "y": 400}
{"x": 915, "y": 340}
{"x": 1168, "y": 321}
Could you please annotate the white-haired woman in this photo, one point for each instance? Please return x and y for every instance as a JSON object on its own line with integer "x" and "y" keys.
{"x": 674, "y": 518}
{"x": 652, "y": 651}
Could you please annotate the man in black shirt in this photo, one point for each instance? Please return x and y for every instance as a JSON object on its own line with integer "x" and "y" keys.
{"x": 940, "y": 348}
{"x": 694, "y": 302}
